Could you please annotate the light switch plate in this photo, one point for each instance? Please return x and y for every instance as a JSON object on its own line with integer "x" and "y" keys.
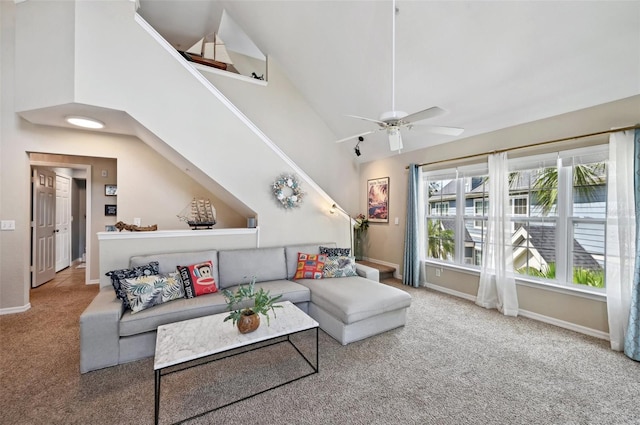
{"x": 8, "y": 225}
{"x": 397, "y": 221}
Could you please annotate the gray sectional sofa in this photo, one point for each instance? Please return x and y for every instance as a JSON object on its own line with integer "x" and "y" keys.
{"x": 347, "y": 308}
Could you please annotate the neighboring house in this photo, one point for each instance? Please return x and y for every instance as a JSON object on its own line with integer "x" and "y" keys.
{"x": 533, "y": 241}
{"x": 534, "y": 247}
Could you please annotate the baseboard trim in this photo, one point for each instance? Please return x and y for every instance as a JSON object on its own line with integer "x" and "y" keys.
{"x": 563, "y": 324}
{"x": 529, "y": 314}
{"x": 13, "y": 310}
{"x": 396, "y": 274}
{"x": 93, "y": 282}
{"x": 450, "y": 291}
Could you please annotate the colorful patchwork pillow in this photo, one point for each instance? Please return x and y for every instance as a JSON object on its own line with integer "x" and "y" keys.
{"x": 117, "y": 276}
{"x": 340, "y": 266}
{"x": 310, "y": 266}
{"x": 197, "y": 279}
{"x": 335, "y": 252}
{"x": 146, "y": 291}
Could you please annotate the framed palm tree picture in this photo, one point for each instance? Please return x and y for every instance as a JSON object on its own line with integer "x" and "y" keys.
{"x": 378, "y": 200}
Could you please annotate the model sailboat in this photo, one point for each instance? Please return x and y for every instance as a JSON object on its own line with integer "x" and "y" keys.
{"x": 199, "y": 214}
{"x": 210, "y": 53}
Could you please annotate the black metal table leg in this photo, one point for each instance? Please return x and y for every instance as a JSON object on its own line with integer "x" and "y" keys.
{"x": 315, "y": 369}
{"x": 157, "y": 395}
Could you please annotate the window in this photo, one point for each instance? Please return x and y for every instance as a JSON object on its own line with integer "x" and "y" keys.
{"x": 587, "y": 220}
{"x": 477, "y": 195}
{"x": 518, "y": 206}
{"x": 440, "y": 220}
{"x": 480, "y": 208}
{"x": 440, "y": 208}
{"x": 557, "y": 205}
{"x": 534, "y": 229}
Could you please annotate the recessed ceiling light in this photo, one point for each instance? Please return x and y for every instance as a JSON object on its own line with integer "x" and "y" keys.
{"x": 84, "y": 122}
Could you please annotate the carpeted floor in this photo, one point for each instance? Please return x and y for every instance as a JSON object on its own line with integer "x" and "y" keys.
{"x": 454, "y": 363}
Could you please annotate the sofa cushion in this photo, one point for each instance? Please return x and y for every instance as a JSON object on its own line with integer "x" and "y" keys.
{"x": 145, "y": 292}
{"x": 184, "y": 309}
{"x": 339, "y": 267}
{"x": 239, "y": 266}
{"x": 169, "y": 262}
{"x": 310, "y": 266}
{"x": 117, "y": 276}
{"x": 292, "y": 251}
{"x": 355, "y": 298}
{"x": 197, "y": 279}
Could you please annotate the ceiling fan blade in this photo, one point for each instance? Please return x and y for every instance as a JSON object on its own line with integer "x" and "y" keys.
{"x": 380, "y": 123}
{"x": 423, "y": 115}
{"x": 355, "y": 136}
{"x": 447, "y": 131}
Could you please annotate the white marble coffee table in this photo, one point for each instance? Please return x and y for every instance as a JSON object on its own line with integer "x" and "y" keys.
{"x": 181, "y": 342}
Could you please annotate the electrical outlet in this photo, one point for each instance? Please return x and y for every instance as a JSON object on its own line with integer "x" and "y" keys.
{"x": 137, "y": 221}
{"x": 437, "y": 272}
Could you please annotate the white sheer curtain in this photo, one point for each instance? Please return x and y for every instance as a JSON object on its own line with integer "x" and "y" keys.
{"x": 621, "y": 232}
{"x": 497, "y": 283}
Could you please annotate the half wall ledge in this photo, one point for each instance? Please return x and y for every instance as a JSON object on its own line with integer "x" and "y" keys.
{"x": 177, "y": 233}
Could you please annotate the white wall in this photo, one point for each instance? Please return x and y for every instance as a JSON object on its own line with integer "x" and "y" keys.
{"x": 111, "y": 72}
{"x": 281, "y": 112}
{"x": 50, "y": 56}
{"x": 191, "y": 117}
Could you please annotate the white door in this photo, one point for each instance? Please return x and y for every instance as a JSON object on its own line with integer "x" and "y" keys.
{"x": 43, "y": 227}
{"x": 63, "y": 222}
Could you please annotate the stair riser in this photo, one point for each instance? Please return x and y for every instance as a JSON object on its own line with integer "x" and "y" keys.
{"x": 386, "y": 275}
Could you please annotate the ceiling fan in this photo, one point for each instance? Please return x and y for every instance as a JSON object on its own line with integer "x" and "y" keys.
{"x": 392, "y": 121}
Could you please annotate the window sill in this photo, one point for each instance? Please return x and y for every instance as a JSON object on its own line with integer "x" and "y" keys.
{"x": 592, "y": 294}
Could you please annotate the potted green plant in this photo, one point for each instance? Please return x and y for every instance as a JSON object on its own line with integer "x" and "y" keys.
{"x": 247, "y": 318}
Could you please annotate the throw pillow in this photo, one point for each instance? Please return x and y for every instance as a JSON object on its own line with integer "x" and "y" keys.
{"x": 340, "y": 266}
{"x": 117, "y": 276}
{"x": 198, "y": 279}
{"x": 146, "y": 291}
{"x": 335, "y": 252}
{"x": 310, "y": 266}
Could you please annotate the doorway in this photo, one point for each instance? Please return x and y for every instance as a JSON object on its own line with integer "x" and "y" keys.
{"x": 59, "y": 245}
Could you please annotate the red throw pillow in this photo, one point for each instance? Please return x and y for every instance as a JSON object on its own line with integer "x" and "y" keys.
{"x": 198, "y": 279}
{"x": 310, "y": 266}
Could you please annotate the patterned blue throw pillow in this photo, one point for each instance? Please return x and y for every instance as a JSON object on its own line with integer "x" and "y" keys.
{"x": 335, "y": 252}
{"x": 340, "y": 266}
{"x": 146, "y": 291}
{"x": 117, "y": 276}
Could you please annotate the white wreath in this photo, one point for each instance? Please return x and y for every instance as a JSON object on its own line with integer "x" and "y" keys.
{"x": 290, "y": 183}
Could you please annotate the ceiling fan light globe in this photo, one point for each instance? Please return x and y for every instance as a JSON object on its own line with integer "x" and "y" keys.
{"x": 395, "y": 139}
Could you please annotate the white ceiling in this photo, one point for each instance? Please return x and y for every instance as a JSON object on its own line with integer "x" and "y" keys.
{"x": 492, "y": 65}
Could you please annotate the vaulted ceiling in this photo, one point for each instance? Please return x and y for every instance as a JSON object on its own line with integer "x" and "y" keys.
{"x": 492, "y": 65}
